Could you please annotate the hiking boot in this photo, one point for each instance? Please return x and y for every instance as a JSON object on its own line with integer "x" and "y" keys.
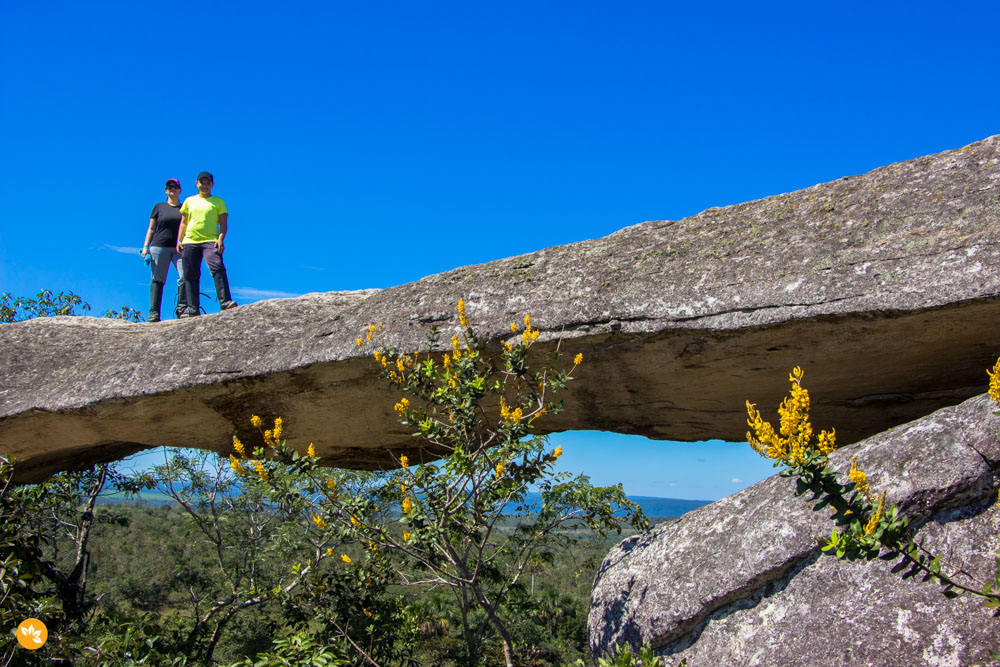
{"x": 155, "y": 298}
{"x": 184, "y": 316}
{"x": 229, "y": 305}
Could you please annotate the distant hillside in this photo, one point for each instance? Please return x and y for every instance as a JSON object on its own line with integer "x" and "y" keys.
{"x": 664, "y": 508}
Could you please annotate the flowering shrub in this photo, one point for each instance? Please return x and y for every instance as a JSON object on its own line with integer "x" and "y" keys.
{"x": 465, "y": 523}
{"x": 871, "y": 528}
{"x": 347, "y": 596}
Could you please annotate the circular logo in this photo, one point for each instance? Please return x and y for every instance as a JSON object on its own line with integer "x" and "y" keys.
{"x": 32, "y": 633}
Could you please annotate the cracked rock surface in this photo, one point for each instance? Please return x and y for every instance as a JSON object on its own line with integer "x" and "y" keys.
{"x": 882, "y": 286}
{"x": 742, "y": 581}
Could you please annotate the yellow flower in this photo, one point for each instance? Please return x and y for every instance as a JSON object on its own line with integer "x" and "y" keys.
{"x": 557, "y": 452}
{"x": 238, "y": 446}
{"x": 499, "y": 470}
{"x": 345, "y": 558}
{"x": 995, "y": 382}
{"x": 259, "y": 466}
{"x": 366, "y": 612}
{"x": 827, "y": 441}
{"x": 527, "y": 321}
{"x": 407, "y": 505}
{"x": 311, "y": 451}
{"x": 504, "y": 410}
{"x": 456, "y": 346}
{"x": 534, "y": 335}
{"x": 378, "y": 356}
{"x": 371, "y": 546}
{"x": 399, "y": 365}
{"x": 876, "y": 517}
{"x": 513, "y": 327}
{"x": 402, "y": 488}
{"x": 269, "y": 438}
{"x": 406, "y": 536}
{"x": 401, "y": 407}
{"x": 330, "y": 484}
{"x": 507, "y": 346}
{"x": 355, "y": 522}
{"x": 279, "y": 426}
{"x": 360, "y": 342}
{"x": 578, "y": 359}
{"x": 255, "y": 421}
{"x": 329, "y": 551}
{"x": 235, "y": 464}
{"x": 516, "y": 415}
{"x": 404, "y": 462}
{"x": 318, "y": 520}
{"x": 859, "y": 478}
{"x": 447, "y": 361}
{"x": 462, "y": 319}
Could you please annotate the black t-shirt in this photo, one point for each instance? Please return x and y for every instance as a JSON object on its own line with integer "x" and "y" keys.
{"x": 168, "y": 223}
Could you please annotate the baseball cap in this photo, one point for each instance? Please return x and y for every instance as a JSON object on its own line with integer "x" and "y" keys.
{"x": 173, "y": 181}
{"x": 205, "y": 174}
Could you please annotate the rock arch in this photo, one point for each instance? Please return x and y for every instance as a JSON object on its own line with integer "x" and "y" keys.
{"x": 882, "y": 286}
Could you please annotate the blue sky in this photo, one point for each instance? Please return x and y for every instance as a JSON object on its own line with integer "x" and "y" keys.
{"x": 371, "y": 144}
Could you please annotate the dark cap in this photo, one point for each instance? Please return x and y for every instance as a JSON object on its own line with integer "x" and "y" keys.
{"x": 172, "y": 181}
{"x": 205, "y": 174}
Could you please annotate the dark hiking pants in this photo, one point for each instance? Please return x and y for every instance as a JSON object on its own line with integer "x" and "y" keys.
{"x": 191, "y": 256}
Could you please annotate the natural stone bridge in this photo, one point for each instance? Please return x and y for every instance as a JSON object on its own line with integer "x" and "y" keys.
{"x": 883, "y": 287}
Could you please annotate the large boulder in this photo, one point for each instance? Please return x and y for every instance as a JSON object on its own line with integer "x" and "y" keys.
{"x": 880, "y": 285}
{"x": 743, "y": 581}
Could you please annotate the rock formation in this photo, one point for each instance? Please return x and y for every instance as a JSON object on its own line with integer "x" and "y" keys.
{"x": 882, "y": 286}
{"x": 743, "y": 581}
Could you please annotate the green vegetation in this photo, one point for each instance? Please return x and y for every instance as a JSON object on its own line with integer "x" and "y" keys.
{"x": 868, "y": 528}
{"x": 47, "y": 304}
{"x": 265, "y": 558}
{"x": 153, "y": 579}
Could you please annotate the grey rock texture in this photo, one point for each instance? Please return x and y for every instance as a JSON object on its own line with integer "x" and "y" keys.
{"x": 882, "y": 286}
{"x": 743, "y": 581}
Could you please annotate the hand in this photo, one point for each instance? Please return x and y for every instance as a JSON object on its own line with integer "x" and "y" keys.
{"x": 220, "y": 246}
{"x": 144, "y": 252}
{"x": 180, "y": 247}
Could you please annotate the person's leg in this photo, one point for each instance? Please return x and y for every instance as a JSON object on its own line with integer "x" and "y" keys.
{"x": 158, "y": 267}
{"x": 218, "y": 270}
{"x": 191, "y": 263}
{"x": 175, "y": 259}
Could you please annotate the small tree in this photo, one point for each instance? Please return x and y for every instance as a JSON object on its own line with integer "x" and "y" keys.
{"x": 467, "y": 523}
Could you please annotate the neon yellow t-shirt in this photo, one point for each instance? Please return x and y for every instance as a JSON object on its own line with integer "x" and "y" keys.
{"x": 202, "y": 218}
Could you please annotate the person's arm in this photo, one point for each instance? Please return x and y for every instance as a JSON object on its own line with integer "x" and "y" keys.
{"x": 181, "y": 231}
{"x": 223, "y": 228}
{"x": 149, "y": 237}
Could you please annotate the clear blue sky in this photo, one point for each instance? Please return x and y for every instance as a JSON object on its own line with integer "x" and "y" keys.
{"x": 371, "y": 144}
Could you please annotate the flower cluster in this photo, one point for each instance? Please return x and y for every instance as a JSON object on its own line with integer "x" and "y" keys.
{"x": 451, "y": 383}
{"x": 860, "y": 480}
{"x": 273, "y": 439}
{"x": 995, "y": 382}
{"x": 793, "y": 442}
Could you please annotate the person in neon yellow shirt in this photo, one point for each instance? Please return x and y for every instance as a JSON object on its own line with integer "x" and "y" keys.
{"x": 202, "y": 234}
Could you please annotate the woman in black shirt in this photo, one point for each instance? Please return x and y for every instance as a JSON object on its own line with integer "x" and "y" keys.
{"x": 161, "y": 242}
